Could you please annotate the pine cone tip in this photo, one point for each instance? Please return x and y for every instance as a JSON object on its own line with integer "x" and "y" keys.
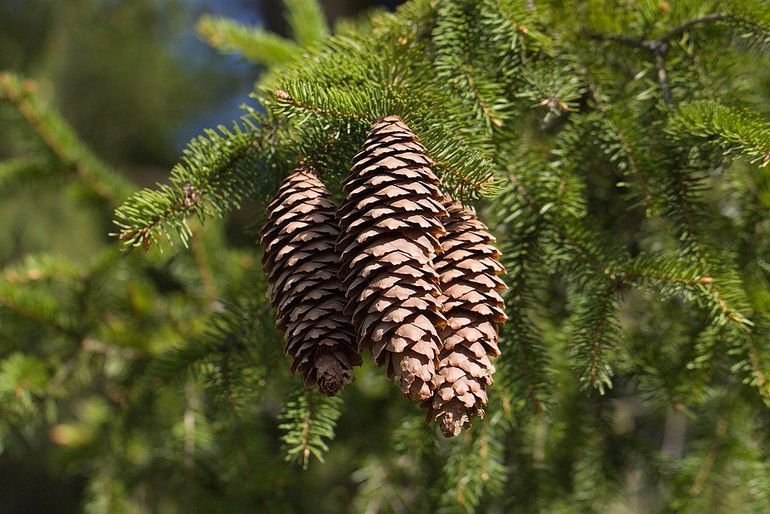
{"x": 331, "y": 375}
{"x": 391, "y": 118}
{"x": 453, "y": 421}
{"x": 330, "y": 384}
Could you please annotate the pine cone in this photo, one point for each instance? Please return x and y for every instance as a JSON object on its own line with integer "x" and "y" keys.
{"x": 471, "y": 301}
{"x": 302, "y": 265}
{"x": 390, "y": 224}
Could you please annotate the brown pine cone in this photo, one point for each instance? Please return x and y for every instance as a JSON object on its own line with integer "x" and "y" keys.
{"x": 302, "y": 267}
{"x": 468, "y": 269}
{"x": 390, "y": 224}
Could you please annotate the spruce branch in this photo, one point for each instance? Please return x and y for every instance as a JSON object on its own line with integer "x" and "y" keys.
{"x": 253, "y": 43}
{"x": 660, "y": 63}
{"x": 596, "y": 335}
{"x": 231, "y": 332}
{"x": 513, "y": 26}
{"x": 475, "y": 467}
{"x": 753, "y": 25}
{"x": 61, "y": 141}
{"x": 309, "y": 421}
{"x": 455, "y": 36}
{"x": 38, "y": 268}
{"x": 662, "y": 43}
{"x": 302, "y": 99}
{"x": 654, "y": 303}
{"x": 37, "y": 308}
{"x": 596, "y": 330}
{"x": 528, "y": 359}
{"x": 466, "y": 172}
{"x": 218, "y": 172}
{"x": 306, "y": 20}
{"x": 679, "y": 31}
{"x": 734, "y": 131}
{"x": 523, "y": 355}
{"x": 25, "y": 291}
{"x": 18, "y": 172}
{"x": 669, "y": 277}
{"x": 555, "y": 89}
{"x": 619, "y": 140}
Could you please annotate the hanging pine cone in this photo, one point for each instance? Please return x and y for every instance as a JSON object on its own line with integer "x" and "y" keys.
{"x": 468, "y": 268}
{"x": 302, "y": 264}
{"x": 389, "y": 224}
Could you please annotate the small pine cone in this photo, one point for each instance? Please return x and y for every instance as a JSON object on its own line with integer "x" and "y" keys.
{"x": 390, "y": 224}
{"x": 302, "y": 265}
{"x": 468, "y": 269}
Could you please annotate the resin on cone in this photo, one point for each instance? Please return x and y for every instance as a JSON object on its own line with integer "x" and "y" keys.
{"x": 302, "y": 267}
{"x": 390, "y": 223}
{"x": 468, "y": 269}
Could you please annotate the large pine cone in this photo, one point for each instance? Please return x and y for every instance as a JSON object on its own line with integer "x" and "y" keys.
{"x": 468, "y": 268}
{"x": 302, "y": 267}
{"x": 390, "y": 224}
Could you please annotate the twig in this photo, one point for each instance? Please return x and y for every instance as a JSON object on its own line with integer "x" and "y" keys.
{"x": 182, "y": 207}
{"x": 598, "y": 335}
{"x": 654, "y": 45}
{"x": 660, "y": 46}
{"x": 660, "y": 62}
{"x": 684, "y": 27}
{"x": 628, "y": 41}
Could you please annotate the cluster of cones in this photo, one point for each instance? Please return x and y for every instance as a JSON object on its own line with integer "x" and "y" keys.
{"x": 399, "y": 268}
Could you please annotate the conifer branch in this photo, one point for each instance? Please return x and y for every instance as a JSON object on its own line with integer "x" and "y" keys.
{"x": 19, "y": 295}
{"x": 15, "y": 173}
{"x": 230, "y": 332}
{"x": 306, "y": 20}
{"x": 735, "y": 132}
{"x": 524, "y": 357}
{"x": 625, "y": 144}
{"x": 595, "y": 335}
{"x": 510, "y": 106}
{"x": 485, "y": 109}
{"x": 686, "y": 282}
{"x": 24, "y": 307}
{"x": 308, "y": 424}
{"x": 528, "y": 358}
{"x": 59, "y": 138}
{"x": 465, "y": 171}
{"x": 217, "y": 173}
{"x": 659, "y": 47}
{"x": 455, "y": 36}
{"x": 294, "y": 104}
{"x": 660, "y": 44}
{"x": 760, "y": 376}
{"x": 475, "y": 467}
{"x": 526, "y": 346}
{"x": 690, "y": 24}
{"x": 625, "y": 40}
{"x": 660, "y": 63}
{"x": 252, "y": 43}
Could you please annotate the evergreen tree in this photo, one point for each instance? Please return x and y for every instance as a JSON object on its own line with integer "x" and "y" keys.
{"x": 617, "y": 150}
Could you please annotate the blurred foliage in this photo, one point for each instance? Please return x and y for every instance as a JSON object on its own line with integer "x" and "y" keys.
{"x": 113, "y": 61}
